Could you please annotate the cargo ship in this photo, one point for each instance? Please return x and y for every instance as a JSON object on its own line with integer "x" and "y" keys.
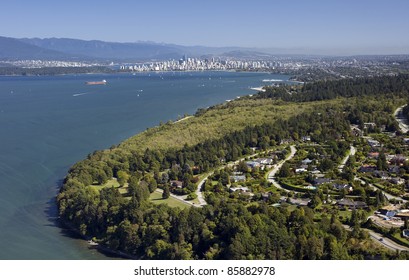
{"x": 103, "y": 82}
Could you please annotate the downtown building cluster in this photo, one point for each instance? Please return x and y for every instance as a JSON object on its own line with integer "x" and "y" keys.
{"x": 196, "y": 64}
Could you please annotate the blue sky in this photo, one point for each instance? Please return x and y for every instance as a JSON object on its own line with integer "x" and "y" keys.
{"x": 347, "y": 26}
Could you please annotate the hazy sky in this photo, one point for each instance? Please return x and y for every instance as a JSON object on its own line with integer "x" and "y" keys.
{"x": 344, "y": 26}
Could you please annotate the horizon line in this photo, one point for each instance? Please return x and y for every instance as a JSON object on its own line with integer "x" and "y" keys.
{"x": 293, "y": 51}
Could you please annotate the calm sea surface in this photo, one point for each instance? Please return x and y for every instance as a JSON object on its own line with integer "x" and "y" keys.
{"x": 49, "y": 123}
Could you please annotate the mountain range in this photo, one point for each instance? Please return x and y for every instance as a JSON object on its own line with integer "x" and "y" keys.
{"x": 94, "y": 50}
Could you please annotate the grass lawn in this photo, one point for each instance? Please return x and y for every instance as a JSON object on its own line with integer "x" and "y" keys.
{"x": 402, "y": 239}
{"x": 156, "y": 198}
{"x": 346, "y": 215}
{"x": 343, "y": 215}
{"x": 112, "y": 183}
{"x": 291, "y": 207}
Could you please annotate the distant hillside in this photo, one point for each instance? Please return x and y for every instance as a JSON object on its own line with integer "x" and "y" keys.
{"x": 247, "y": 54}
{"x": 108, "y": 50}
{"x": 74, "y": 49}
{"x": 11, "y": 48}
{"x": 136, "y": 51}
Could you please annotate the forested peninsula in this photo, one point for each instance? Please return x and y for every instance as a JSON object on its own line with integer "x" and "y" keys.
{"x": 110, "y": 195}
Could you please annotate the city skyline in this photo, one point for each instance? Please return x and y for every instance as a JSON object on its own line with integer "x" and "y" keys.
{"x": 319, "y": 27}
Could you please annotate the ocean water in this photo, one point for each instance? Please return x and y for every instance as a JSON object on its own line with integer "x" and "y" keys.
{"x": 49, "y": 123}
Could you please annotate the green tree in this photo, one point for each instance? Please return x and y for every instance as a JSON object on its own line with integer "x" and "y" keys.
{"x": 191, "y": 196}
{"x": 122, "y": 177}
{"x": 101, "y": 177}
{"x": 381, "y": 162}
{"x": 285, "y": 170}
{"x": 315, "y": 201}
{"x": 152, "y": 185}
{"x": 166, "y": 192}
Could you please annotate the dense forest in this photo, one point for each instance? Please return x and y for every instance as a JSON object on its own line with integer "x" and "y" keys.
{"x": 224, "y": 228}
{"x": 325, "y": 90}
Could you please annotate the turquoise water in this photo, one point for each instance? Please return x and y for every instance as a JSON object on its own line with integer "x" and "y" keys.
{"x": 49, "y": 123}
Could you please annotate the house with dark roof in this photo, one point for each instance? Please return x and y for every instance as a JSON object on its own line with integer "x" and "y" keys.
{"x": 320, "y": 181}
{"x": 176, "y": 184}
{"x": 367, "y": 169}
{"x": 397, "y": 181}
{"x": 351, "y": 204}
{"x": 388, "y": 213}
{"x": 253, "y": 164}
{"x": 340, "y": 187}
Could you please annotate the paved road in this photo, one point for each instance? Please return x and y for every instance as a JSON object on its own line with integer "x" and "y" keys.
{"x": 200, "y": 197}
{"x": 388, "y": 196}
{"x": 180, "y": 198}
{"x": 351, "y": 152}
{"x": 403, "y": 124}
{"x": 271, "y": 175}
{"x": 384, "y": 241}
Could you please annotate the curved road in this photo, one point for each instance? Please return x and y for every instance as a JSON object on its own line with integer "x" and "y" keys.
{"x": 384, "y": 241}
{"x": 351, "y": 152}
{"x": 180, "y": 198}
{"x": 271, "y": 175}
{"x": 403, "y": 125}
{"x": 198, "y": 192}
{"x": 388, "y": 196}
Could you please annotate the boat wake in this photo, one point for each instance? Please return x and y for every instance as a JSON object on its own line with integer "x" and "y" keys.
{"x": 271, "y": 80}
{"x": 79, "y": 94}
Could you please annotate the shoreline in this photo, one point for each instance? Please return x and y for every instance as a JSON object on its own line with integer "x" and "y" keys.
{"x": 104, "y": 249}
{"x": 64, "y": 225}
{"x": 136, "y": 73}
{"x": 183, "y": 119}
{"x": 258, "y": 89}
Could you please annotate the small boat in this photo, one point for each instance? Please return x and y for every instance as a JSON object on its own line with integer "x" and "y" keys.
{"x": 103, "y": 82}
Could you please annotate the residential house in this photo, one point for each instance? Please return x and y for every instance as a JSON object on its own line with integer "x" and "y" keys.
{"x": 176, "y": 184}
{"x": 374, "y": 143}
{"x": 316, "y": 172}
{"x": 404, "y": 215}
{"x": 238, "y": 178}
{"x": 394, "y": 169}
{"x": 300, "y": 170}
{"x": 388, "y": 213}
{"x": 367, "y": 169}
{"x": 340, "y": 187}
{"x": 305, "y": 166}
{"x": 381, "y": 174}
{"x": 286, "y": 141}
{"x": 320, "y": 181}
{"x": 356, "y": 131}
{"x": 306, "y": 161}
{"x": 351, "y": 204}
{"x": 265, "y": 195}
{"x": 369, "y": 125}
{"x": 253, "y": 164}
{"x": 397, "y": 181}
{"x": 398, "y": 159}
{"x": 298, "y": 201}
{"x": 373, "y": 155}
{"x": 239, "y": 189}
